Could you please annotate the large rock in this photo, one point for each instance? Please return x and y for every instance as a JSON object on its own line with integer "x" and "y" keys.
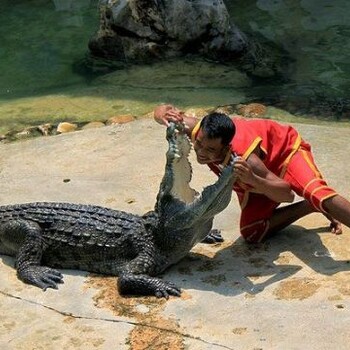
{"x": 141, "y": 30}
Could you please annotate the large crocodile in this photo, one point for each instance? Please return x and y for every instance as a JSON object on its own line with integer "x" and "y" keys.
{"x": 43, "y": 236}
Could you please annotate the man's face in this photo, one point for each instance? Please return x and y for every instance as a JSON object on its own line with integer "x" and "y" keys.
{"x": 209, "y": 150}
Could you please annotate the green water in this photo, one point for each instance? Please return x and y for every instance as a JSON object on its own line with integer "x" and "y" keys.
{"x": 314, "y": 33}
{"x": 44, "y": 42}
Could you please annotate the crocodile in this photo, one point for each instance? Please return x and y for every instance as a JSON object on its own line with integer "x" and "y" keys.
{"x": 45, "y": 237}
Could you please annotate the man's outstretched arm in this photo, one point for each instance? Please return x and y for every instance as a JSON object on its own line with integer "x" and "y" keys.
{"x": 163, "y": 114}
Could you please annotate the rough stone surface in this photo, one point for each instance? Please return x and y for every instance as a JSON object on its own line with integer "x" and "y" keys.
{"x": 292, "y": 292}
{"x": 139, "y": 30}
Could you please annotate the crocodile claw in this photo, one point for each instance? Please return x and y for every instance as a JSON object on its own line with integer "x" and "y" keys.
{"x": 41, "y": 276}
{"x": 214, "y": 236}
{"x": 129, "y": 283}
{"x": 165, "y": 289}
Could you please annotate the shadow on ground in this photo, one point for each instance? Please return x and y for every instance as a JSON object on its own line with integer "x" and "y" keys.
{"x": 236, "y": 268}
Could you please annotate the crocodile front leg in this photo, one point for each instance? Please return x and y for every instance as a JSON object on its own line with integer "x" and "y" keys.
{"x": 136, "y": 277}
{"x": 28, "y": 235}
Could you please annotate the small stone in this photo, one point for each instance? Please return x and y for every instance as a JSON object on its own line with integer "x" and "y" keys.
{"x": 252, "y": 110}
{"x": 65, "y": 127}
{"x": 130, "y": 200}
{"x": 141, "y": 308}
{"x": 93, "y": 125}
{"x": 120, "y": 119}
{"x": 23, "y": 134}
{"x": 227, "y": 109}
{"x": 45, "y": 129}
{"x": 28, "y": 132}
{"x": 197, "y": 112}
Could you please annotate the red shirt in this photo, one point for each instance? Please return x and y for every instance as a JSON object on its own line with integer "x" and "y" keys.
{"x": 277, "y": 141}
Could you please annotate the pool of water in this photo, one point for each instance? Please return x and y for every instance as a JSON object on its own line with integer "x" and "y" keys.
{"x": 44, "y": 42}
{"x": 314, "y": 33}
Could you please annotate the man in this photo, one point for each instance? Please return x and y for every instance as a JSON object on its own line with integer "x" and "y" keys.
{"x": 273, "y": 164}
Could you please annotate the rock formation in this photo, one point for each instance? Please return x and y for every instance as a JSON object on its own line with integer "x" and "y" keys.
{"x": 145, "y": 30}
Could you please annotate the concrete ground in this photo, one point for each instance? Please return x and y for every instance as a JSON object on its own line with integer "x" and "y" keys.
{"x": 292, "y": 292}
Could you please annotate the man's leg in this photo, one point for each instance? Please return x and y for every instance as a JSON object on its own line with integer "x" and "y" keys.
{"x": 260, "y": 218}
{"x": 306, "y": 180}
{"x": 337, "y": 207}
{"x": 286, "y": 215}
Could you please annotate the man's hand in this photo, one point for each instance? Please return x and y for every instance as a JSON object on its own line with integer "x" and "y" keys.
{"x": 243, "y": 171}
{"x": 253, "y": 172}
{"x": 335, "y": 225}
{"x": 164, "y": 114}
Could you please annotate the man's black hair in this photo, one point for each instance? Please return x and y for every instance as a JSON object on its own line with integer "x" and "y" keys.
{"x": 218, "y": 125}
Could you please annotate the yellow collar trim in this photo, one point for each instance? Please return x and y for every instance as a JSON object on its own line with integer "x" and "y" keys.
{"x": 195, "y": 131}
